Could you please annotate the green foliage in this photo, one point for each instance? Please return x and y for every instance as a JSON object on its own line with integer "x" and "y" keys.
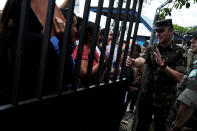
{"x": 165, "y": 12}
{"x": 182, "y": 30}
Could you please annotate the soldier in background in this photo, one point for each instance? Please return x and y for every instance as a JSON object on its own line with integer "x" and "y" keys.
{"x": 183, "y": 116}
{"x": 166, "y": 67}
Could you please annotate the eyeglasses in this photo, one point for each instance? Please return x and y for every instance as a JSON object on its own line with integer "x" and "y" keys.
{"x": 159, "y": 30}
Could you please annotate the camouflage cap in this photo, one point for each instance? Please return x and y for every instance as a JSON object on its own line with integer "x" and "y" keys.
{"x": 193, "y": 33}
{"x": 163, "y": 23}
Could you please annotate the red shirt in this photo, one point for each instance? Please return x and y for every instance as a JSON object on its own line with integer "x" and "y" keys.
{"x": 86, "y": 52}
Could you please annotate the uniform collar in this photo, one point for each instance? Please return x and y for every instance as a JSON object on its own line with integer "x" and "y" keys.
{"x": 169, "y": 47}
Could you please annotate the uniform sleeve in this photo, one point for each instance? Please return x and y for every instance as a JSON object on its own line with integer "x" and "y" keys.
{"x": 188, "y": 97}
{"x": 146, "y": 54}
{"x": 181, "y": 63}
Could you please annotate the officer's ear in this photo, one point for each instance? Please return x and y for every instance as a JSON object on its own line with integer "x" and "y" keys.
{"x": 171, "y": 31}
{"x": 89, "y": 36}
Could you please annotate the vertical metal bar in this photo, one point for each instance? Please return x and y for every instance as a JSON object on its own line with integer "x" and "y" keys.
{"x": 121, "y": 40}
{"x": 104, "y": 41}
{"x": 25, "y": 6}
{"x": 152, "y": 37}
{"x": 45, "y": 43}
{"x": 65, "y": 45}
{"x": 113, "y": 43}
{"x": 81, "y": 43}
{"x": 133, "y": 45}
{"x": 128, "y": 38}
{"x": 136, "y": 27}
{"x": 94, "y": 41}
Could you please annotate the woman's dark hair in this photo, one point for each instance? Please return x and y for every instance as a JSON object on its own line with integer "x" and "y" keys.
{"x": 12, "y": 10}
{"x": 89, "y": 30}
{"x": 65, "y": 12}
{"x": 79, "y": 23}
{"x": 102, "y": 32}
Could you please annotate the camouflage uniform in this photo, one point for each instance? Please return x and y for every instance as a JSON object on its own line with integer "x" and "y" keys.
{"x": 159, "y": 89}
{"x": 188, "y": 96}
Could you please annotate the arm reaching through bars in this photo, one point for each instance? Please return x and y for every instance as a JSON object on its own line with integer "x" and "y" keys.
{"x": 39, "y": 7}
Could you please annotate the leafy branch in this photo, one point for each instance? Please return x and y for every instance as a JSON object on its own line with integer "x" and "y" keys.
{"x": 178, "y": 4}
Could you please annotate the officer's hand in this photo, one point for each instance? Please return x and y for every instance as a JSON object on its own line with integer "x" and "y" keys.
{"x": 158, "y": 57}
{"x": 130, "y": 61}
{"x": 182, "y": 129}
{"x": 186, "y": 129}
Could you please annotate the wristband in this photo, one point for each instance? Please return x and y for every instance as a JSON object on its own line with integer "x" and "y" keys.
{"x": 174, "y": 128}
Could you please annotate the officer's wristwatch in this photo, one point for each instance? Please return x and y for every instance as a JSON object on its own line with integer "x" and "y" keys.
{"x": 163, "y": 66}
{"x": 176, "y": 128}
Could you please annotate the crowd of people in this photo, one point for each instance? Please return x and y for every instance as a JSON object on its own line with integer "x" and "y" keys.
{"x": 9, "y": 29}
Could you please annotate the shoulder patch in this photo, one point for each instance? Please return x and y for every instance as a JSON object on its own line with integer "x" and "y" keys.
{"x": 184, "y": 55}
{"x": 193, "y": 73}
{"x": 195, "y": 62}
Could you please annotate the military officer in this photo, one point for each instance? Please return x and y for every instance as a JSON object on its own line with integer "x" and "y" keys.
{"x": 166, "y": 66}
{"x": 186, "y": 117}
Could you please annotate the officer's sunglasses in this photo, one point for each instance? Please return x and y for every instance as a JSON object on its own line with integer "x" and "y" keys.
{"x": 159, "y": 30}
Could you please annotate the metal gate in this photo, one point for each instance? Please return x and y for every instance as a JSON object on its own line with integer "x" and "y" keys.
{"x": 32, "y": 94}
